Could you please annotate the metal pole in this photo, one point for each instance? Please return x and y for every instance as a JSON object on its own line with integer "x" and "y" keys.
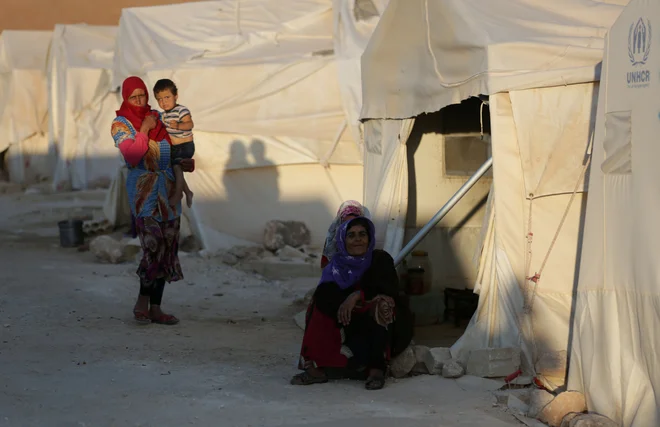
{"x": 443, "y": 211}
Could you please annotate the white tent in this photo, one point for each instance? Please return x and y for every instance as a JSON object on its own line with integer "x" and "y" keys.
{"x": 82, "y": 103}
{"x": 23, "y": 105}
{"x": 261, "y": 80}
{"x": 614, "y": 347}
{"x": 538, "y": 61}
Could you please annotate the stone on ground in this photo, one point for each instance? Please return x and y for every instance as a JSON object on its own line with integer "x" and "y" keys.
{"x": 107, "y": 249}
{"x": 434, "y": 359}
{"x": 452, "y": 369}
{"x": 403, "y": 364}
{"x": 288, "y": 253}
{"x": 278, "y": 234}
{"x": 493, "y": 362}
{"x": 421, "y": 352}
{"x": 551, "y": 369}
{"x": 517, "y": 405}
{"x": 587, "y": 420}
{"x": 229, "y": 258}
{"x": 563, "y": 404}
{"x": 538, "y": 400}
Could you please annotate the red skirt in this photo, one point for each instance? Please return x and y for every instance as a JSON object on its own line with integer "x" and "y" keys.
{"x": 321, "y": 345}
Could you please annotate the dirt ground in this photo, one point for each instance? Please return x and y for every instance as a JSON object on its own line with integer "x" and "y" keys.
{"x": 70, "y": 354}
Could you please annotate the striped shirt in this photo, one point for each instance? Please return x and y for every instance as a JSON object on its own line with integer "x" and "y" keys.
{"x": 177, "y": 113}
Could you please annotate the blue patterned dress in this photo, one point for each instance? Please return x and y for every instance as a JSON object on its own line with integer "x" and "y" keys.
{"x": 149, "y": 185}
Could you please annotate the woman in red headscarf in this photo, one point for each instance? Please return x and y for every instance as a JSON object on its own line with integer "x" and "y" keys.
{"x": 144, "y": 143}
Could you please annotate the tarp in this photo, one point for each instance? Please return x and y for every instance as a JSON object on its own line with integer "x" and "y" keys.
{"x": 537, "y": 60}
{"x": 354, "y": 23}
{"x": 23, "y": 104}
{"x": 82, "y": 104}
{"x": 539, "y": 141}
{"x": 615, "y": 343}
{"x": 261, "y": 80}
{"x": 442, "y": 52}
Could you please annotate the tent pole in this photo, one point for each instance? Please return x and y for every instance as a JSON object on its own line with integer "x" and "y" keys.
{"x": 443, "y": 211}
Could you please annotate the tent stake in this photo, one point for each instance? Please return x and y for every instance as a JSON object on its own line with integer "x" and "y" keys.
{"x": 443, "y": 211}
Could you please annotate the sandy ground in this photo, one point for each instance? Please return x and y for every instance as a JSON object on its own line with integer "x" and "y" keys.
{"x": 70, "y": 354}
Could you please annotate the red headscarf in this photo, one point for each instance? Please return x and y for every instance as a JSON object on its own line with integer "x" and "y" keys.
{"x": 135, "y": 114}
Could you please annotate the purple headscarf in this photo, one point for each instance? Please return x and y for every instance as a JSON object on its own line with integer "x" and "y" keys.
{"x": 344, "y": 269}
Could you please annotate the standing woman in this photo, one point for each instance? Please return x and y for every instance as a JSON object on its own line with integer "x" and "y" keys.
{"x": 144, "y": 143}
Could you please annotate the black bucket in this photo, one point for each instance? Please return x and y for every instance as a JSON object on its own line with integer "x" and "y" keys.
{"x": 71, "y": 233}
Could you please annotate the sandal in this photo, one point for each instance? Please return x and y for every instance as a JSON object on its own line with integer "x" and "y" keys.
{"x": 165, "y": 319}
{"x": 375, "y": 383}
{"x": 307, "y": 379}
{"x": 141, "y": 317}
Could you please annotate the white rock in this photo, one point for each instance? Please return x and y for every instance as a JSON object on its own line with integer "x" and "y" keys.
{"x": 562, "y": 405}
{"x": 229, "y": 259}
{"x": 288, "y": 253}
{"x": 452, "y": 369}
{"x": 435, "y": 358}
{"x": 517, "y": 405}
{"x": 538, "y": 400}
{"x": 107, "y": 249}
{"x": 420, "y": 369}
{"x": 421, "y": 353}
{"x": 278, "y": 234}
{"x": 403, "y": 364}
{"x": 587, "y": 420}
{"x": 493, "y": 362}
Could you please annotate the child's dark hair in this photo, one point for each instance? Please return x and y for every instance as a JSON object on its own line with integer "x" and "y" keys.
{"x": 165, "y": 84}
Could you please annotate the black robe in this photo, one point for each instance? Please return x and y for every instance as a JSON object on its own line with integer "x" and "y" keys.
{"x": 380, "y": 279}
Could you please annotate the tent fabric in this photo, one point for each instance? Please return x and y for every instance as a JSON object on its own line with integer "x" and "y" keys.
{"x": 614, "y": 348}
{"x": 442, "y": 52}
{"x": 263, "y": 84}
{"x": 354, "y": 23}
{"x": 264, "y": 67}
{"x": 509, "y": 257}
{"x": 386, "y": 180}
{"x": 23, "y": 104}
{"x": 537, "y": 61}
{"x": 81, "y": 104}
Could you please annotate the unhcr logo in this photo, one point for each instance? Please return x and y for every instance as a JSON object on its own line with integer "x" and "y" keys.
{"x": 639, "y": 48}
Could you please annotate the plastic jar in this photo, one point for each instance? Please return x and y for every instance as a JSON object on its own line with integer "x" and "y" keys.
{"x": 420, "y": 275}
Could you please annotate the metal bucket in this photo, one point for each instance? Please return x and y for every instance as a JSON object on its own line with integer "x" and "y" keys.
{"x": 71, "y": 233}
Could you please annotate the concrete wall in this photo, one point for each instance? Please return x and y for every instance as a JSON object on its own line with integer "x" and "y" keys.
{"x": 44, "y": 14}
{"x": 451, "y": 244}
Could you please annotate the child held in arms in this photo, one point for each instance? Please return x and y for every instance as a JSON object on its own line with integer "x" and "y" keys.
{"x": 179, "y": 125}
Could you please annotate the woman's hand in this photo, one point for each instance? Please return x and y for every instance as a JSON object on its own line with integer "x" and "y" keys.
{"x": 148, "y": 123}
{"x": 346, "y": 308}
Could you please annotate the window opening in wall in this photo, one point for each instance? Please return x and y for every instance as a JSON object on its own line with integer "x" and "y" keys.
{"x": 465, "y": 149}
{"x": 465, "y": 153}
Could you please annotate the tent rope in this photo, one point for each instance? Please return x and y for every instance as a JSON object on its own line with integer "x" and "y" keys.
{"x": 536, "y": 278}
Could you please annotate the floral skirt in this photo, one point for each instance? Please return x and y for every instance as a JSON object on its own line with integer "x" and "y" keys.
{"x": 160, "y": 247}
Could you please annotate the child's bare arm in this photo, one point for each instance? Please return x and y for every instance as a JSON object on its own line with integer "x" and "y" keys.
{"x": 186, "y": 123}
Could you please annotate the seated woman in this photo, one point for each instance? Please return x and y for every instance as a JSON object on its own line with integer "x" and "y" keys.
{"x": 355, "y": 321}
{"x": 348, "y": 210}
